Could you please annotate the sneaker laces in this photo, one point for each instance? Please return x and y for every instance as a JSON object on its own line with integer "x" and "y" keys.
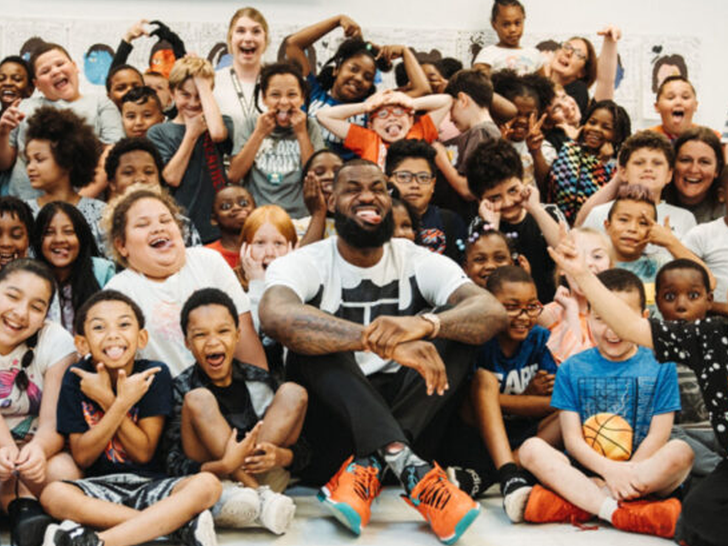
{"x": 366, "y": 481}
{"x": 435, "y": 491}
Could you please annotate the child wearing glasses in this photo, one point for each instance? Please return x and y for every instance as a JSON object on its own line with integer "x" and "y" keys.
{"x": 510, "y": 394}
{"x": 410, "y": 167}
{"x": 391, "y": 118}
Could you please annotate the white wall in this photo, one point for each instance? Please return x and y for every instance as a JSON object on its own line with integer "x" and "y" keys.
{"x": 704, "y": 19}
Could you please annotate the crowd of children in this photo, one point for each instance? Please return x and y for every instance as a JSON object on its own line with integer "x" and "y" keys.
{"x": 141, "y": 395}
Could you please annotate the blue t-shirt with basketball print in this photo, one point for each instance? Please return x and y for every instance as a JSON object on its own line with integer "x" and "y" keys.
{"x": 636, "y": 389}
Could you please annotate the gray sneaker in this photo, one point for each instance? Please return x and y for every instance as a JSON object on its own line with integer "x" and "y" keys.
{"x": 276, "y": 510}
{"x": 199, "y": 531}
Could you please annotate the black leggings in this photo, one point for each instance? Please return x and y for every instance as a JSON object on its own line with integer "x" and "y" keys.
{"x": 705, "y": 511}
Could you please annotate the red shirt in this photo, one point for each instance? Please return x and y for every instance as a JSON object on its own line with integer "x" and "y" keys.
{"x": 232, "y": 258}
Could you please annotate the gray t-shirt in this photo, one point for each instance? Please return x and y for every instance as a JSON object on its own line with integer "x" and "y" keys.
{"x": 97, "y": 110}
{"x": 196, "y": 193}
{"x": 275, "y": 177}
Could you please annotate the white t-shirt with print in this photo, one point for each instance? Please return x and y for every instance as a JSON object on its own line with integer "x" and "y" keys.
{"x": 406, "y": 280}
{"x": 709, "y": 242}
{"x": 19, "y": 408}
{"x": 162, "y": 302}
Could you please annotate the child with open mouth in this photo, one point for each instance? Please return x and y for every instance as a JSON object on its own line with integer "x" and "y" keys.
{"x": 278, "y": 143}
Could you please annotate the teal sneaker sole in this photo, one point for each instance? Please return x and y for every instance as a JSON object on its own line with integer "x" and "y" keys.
{"x": 348, "y": 517}
{"x": 463, "y": 525}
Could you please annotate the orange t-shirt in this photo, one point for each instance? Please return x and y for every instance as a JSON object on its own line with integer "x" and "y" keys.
{"x": 661, "y": 129}
{"x": 369, "y": 145}
{"x": 232, "y": 258}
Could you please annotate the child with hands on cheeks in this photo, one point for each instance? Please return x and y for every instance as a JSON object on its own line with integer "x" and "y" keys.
{"x": 112, "y": 408}
{"x": 278, "y": 143}
{"x": 193, "y": 143}
{"x": 234, "y": 419}
{"x": 34, "y": 355}
{"x": 495, "y": 175}
{"x": 318, "y": 179}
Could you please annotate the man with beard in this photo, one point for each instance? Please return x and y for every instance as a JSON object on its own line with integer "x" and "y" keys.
{"x": 380, "y": 376}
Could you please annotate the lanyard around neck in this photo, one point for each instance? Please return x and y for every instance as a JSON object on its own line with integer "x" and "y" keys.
{"x": 246, "y": 104}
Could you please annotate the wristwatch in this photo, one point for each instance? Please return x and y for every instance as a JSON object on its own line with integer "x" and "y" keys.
{"x": 433, "y": 319}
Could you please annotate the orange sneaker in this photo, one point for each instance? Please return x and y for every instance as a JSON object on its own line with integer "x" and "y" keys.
{"x": 545, "y": 506}
{"x": 649, "y": 517}
{"x": 447, "y": 509}
{"x": 349, "y": 494}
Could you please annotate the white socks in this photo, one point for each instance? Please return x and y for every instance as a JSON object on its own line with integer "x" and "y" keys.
{"x": 609, "y": 506}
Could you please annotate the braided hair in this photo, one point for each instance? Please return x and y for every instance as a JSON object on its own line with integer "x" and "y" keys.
{"x": 351, "y": 48}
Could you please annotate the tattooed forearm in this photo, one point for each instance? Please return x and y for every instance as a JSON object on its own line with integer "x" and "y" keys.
{"x": 305, "y": 329}
{"x": 475, "y": 318}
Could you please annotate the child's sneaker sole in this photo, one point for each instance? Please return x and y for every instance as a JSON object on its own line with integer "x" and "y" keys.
{"x": 463, "y": 525}
{"x": 204, "y": 533}
{"x": 515, "y": 504}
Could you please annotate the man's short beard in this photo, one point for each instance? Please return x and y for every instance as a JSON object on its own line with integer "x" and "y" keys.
{"x": 358, "y": 237}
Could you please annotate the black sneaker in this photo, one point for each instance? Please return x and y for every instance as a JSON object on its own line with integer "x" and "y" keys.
{"x": 28, "y": 522}
{"x": 200, "y": 531}
{"x": 70, "y": 533}
{"x": 468, "y": 480}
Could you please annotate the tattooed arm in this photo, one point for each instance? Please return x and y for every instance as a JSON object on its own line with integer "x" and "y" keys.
{"x": 303, "y": 328}
{"x": 476, "y": 316}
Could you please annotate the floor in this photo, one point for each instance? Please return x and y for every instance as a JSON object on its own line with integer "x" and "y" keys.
{"x": 394, "y": 523}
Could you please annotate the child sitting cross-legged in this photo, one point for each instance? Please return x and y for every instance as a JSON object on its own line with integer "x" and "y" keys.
{"x": 112, "y": 408}
{"x": 511, "y": 389}
{"x": 617, "y": 408}
{"x": 217, "y": 400}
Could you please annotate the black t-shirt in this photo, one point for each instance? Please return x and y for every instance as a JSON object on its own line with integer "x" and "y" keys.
{"x": 444, "y": 232}
{"x": 579, "y": 91}
{"x": 235, "y": 405}
{"x": 703, "y": 347}
{"x": 77, "y": 413}
{"x": 530, "y": 242}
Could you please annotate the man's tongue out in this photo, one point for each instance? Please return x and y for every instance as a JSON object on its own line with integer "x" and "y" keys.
{"x": 369, "y": 216}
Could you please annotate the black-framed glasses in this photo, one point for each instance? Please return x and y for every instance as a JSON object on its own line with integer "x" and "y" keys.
{"x": 532, "y": 309}
{"x": 423, "y": 178}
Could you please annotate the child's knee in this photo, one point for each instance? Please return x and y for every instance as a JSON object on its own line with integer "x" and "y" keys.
{"x": 199, "y": 400}
{"x": 682, "y": 454}
{"x": 294, "y": 396}
{"x": 53, "y": 499}
{"x": 532, "y": 452}
{"x": 208, "y": 488}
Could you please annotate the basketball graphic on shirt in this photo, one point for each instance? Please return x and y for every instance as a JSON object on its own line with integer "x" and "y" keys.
{"x": 609, "y": 435}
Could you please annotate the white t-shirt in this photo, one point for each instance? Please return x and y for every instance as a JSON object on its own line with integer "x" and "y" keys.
{"x": 709, "y": 242}
{"x": 681, "y": 221}
{"x": 162, "y": 302}
{"x": 523, "y": 60}
{"x": 406, "y": 280}
{"x": 19, "y": 408}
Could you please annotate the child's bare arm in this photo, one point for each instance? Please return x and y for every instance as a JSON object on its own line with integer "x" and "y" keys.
{"x": 297, "y": 43}
{"x": 547, "y": 225}
{"x": 607, "y": 64}
{"x": 657, "y": 436}
{"x": 663, "y": 236}
{"x": 210, "y": 110}
{"x": 86, "y": 447}
{"x": 458, "y": 182}
{"x": 502, "y": 109}
{"x": 140, "y": 439}
{"x": 241, "y": 163}
{"x": 100, "y": 182}
{"x": 334, "y": 118}
{"x": 625, "y": 322}
{"x": 9, "y": 120}
{"x": 174, "y": 170}
{"x": 47, "y": 435}
{"x": 299, "y": 122}
{"x": 525, "y": 405}
{"x": 606, "y": 193}
{"x": 437, "y": 106}
{"x": 419, "y": 84}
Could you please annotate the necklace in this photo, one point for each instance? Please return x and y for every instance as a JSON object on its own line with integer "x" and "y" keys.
{"x": 246, "y": 104}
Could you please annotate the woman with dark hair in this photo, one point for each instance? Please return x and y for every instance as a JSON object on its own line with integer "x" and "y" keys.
{"x": 696, "y": 179}
{"x": 62, "y": 239}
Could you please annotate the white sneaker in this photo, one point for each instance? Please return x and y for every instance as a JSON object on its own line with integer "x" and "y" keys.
{"x": 238, "y": 506}
{"x": 276, "y": 510}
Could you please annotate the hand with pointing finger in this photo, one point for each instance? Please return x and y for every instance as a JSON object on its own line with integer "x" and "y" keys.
{"x": 130, "y": 389}
{"x": 660, "y": 235}
{"x": 97, "y": 386}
